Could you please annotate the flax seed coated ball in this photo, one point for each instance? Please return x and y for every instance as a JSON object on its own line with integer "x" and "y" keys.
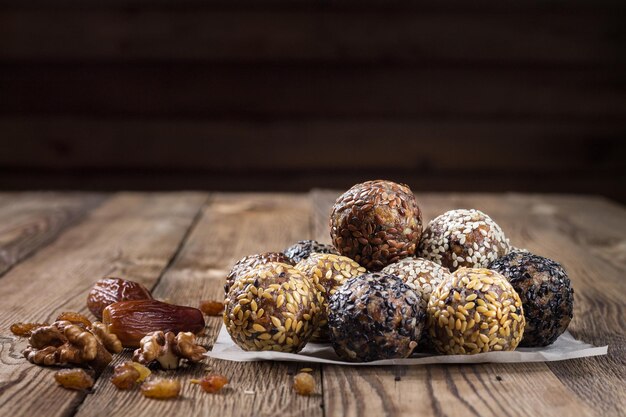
{"x": 328, "y": 272}
{"x": 376, "y": 223}
{"x": 247, "y": 263}
{"x": 272, "y": 307}
{"x": 304, "y": 248}
{"x": 546, "y": 293}
{"x": 463, "y": 238}
{"x": 374, "y": 316}
{"x": 474, "y": 311}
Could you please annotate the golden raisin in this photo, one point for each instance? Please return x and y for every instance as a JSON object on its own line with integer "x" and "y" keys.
{"x": 304, "y": 383}
{"x": 125, "y": 376}
{"x": 76, "y": 379}
{"x": 25, "y": 329}
{"x": 161, "y": 389}
{"x": 74, "y": 318}
{"x": 212, "y": 307}
{"x": 211, "y": 383}
{"x": 144, "y": 372}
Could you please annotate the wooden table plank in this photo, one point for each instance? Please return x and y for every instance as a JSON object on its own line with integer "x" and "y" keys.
{"x": 473, "y": 389}
{"x": 29, "y": 221}
{"x": 231, "y": 227}
{"x": 131, "y": 235}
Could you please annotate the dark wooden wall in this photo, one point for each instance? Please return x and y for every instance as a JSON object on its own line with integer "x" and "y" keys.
{"x": 288, "y": 95}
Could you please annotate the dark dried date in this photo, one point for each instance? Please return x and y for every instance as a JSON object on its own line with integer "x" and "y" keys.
{"x": 112, "y": 290}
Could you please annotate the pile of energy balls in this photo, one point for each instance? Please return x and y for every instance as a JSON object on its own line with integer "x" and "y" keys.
{"x": 388, "y": 287}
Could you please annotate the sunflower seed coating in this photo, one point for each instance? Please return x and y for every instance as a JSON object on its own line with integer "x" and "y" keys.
{"x": 272, "y": 307}
{"x": 463, "y": 238}
{"x": 474, "y": 311}
{"x": 376, "y": 223}
{"x": 248, "y": 263}
{"x": 328, "y": 272}
{"x": 304, "y": 248}
{"x": 546, "y": 293}
{"x": 375, "y": 316}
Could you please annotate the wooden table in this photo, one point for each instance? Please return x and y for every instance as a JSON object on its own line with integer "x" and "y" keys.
{"x": 53, "y": 246}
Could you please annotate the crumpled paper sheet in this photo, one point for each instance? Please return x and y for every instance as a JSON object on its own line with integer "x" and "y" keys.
{"x": 566, "y": 347}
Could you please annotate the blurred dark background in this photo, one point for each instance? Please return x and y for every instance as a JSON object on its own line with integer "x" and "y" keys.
{"x": 290, "y": 95}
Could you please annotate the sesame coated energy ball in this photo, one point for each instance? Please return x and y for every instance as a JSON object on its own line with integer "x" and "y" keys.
{"x": 328, "y": 272}
{"x": 272, "y": 307}
{"x": 247, "y": 263}
{"x": 374, "y": 316}
{"x": 546, "y": 293}
{"x": 421, "y": 275}
{"x": 304, "y": 248}
{"x": 474, "y": 311}
{"x": 463, "y": 238}
{"x": 376, "y": 223}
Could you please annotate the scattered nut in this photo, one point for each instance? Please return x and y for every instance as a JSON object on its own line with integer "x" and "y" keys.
{"x": 76, "y": 379}
{"x": 130, "y": 321}
{"x": 74, "y": 318}
{"x": 212, "y": 307}
{"x": 104, "y": 336}
{"x": 168, "y": 349}
{"x": 211, "y": 383}
{"x": 64, "y": 343}
{"x": 304, "y": 383}
{"x": 112, "y": 290}
{"x": 161, "y": 389}
{"x": 25, "y": 329}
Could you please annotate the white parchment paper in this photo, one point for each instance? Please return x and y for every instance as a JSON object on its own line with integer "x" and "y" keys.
{"x": 566, "y": 347}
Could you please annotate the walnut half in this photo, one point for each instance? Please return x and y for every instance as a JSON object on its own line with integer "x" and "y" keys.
{"x": 168, "y": 349}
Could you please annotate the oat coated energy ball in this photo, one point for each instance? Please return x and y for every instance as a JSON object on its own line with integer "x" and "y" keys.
{"x": 474, "y": 311}
{"x": 304, "y": 248}
{"x": 546, "y": 293}
{"x": 420, "y": 274}
{"x": 328, "y": 272}
{"x": 376, "y": 223}
{"x": 374, "y": 316}
{"x": 463, "y": 238}
{"x": 247, "y": 263}
{"x": 272, "y": 307}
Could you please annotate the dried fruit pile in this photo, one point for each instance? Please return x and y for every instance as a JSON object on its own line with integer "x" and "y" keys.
{"x": 456, "y": 286}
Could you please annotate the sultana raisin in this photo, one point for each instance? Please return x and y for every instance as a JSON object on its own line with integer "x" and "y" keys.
{"x": 76, "y": 379}
{"x": 212, "y": 307}
{"x": 211, "y": 383}
{"x": 304, "y": 383}
{"x": 25, "y": 329}
{"x": 161, "y": 389}
{"x": 74, "y": 318}
{"x": 144, "y": 372}
{"x": 125, "y": 376}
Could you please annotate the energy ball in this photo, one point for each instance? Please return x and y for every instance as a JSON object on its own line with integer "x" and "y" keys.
{"x": 304, "y": 248}
{"x": 272, "y": 307}
{"x": 463, "y": 238}
{"x": 474, "y": 311}
{"x": 247, "y": 263}
{"x": 376, "y": 223}
{"x": 546, "y": 293}
{"x": 374, "y": 316}
{"x": 328, "y": 272}
{"x": 421, "y": 275}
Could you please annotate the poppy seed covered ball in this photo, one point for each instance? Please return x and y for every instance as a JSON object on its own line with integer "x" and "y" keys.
{"x": 272, "y": 307}
{"x": 248, "y": 263}
{"x": 304, "y": 248}
{"x": 545, "y": 291}
{"x": 376, "y": 223}
{"x": 463, "y": 238}
{"x": 474, "y": 311}
{"x": 374, "y": 316}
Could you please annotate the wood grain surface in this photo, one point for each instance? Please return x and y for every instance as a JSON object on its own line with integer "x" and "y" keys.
{"x": 182, "y": 244}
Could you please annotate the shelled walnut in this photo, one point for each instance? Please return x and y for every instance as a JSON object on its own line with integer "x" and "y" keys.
{"x": 63, "y": 343}
{"x": 104, "y": 336}
{"x": 168, "y": 348}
